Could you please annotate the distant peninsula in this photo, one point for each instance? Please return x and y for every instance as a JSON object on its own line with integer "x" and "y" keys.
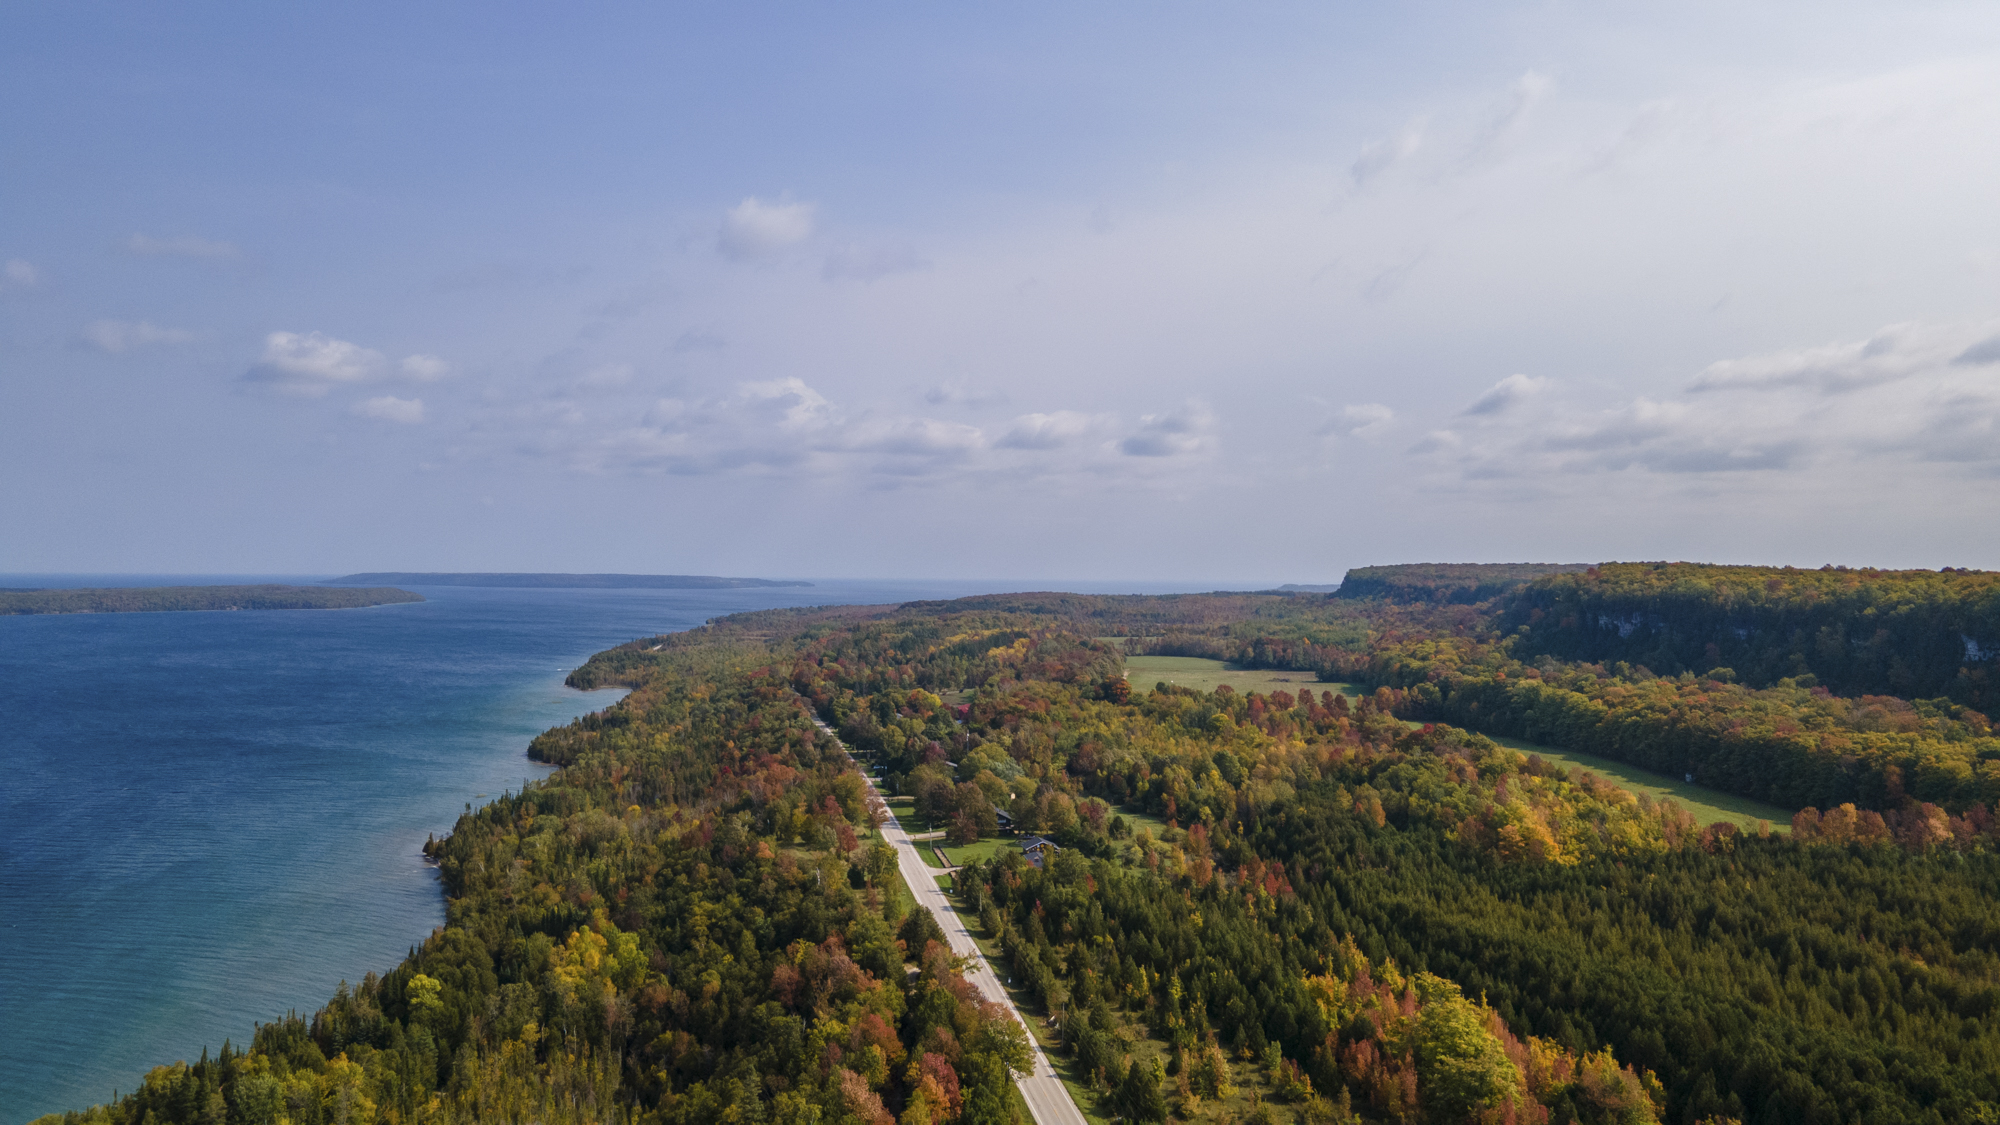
{"x": 159, "y": 599}
{"x": 560, "y": 581}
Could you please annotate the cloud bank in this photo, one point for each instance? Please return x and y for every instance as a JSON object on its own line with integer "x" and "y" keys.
{"x": 1909, "y": 397}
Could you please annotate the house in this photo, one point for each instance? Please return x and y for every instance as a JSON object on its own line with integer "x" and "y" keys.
{"x": 1038, "y": 848}
{"x": 1005, "y": 818}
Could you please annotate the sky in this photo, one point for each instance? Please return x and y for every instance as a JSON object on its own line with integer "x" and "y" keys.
{"x": 1161, "y": 292}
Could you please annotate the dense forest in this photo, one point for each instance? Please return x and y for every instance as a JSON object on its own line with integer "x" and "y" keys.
{"x": 1293, "y": 906}
{"x": 1836, "y": 977}
{"x": 1906, "y": 755}
{"x": 156, "y": 599}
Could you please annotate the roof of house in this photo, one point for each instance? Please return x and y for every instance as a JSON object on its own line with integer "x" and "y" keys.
{"x": 1037, "y": 843}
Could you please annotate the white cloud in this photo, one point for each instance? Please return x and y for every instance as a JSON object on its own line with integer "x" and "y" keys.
{"x": 20, "y": 274}
{"x": 1507, "y": 392}
{"x": 1438, "y": 441}
{"x": 909, "y": 446}
{"x": 312, "y": 363}
{"x": 804, "y": 408}
{"x": 117, "y": 336}
{"x": 1896, "y": 352}
{"x": 387, "y": 408}
{"x": 186, "y": 246}
{"x": 1178, "y": 434}
{"x": 1360, "y": 420}
{"x": 755, "y": 229}
{"x": 1046, "y": 431}
{"x": 787, "y": 427}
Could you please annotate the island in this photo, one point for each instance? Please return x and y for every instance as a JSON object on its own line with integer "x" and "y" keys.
{"x": 158, "y": 599}
{"x": 560, "y": 581}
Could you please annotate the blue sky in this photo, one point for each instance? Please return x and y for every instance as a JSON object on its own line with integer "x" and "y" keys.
{"x": 1151, "y": 292}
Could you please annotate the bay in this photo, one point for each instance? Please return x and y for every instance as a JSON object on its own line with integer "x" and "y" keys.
{"x": 210, "y": 819}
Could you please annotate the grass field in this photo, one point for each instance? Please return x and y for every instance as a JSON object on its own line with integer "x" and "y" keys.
{"x": 1206, "y": 675}
{"x": 1707, "y": 805}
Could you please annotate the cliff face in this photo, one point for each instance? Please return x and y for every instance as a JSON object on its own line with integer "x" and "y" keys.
{"x": 1915, "y": 634}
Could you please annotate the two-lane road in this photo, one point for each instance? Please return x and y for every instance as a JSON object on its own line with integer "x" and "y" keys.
{"x": 1048, "y": 1099}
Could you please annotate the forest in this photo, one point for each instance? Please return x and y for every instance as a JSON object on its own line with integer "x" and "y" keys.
{"x": 1834, "y": 977}
{"x": 1294, "y": 906}
{"x": 1912, "y": 633}
{"x": 158, "y": 599}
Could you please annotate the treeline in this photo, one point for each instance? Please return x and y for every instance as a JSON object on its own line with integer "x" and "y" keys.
{"x": 688, "y": 924}
{"x": 1792, "y": 745}
{"x": 1911, "y": 633}
{"x": 1460, "y": 583}
{"x": 156, "y": 599}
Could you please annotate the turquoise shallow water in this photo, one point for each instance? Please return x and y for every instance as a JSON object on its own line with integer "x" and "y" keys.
{"x": 209, "y": 819}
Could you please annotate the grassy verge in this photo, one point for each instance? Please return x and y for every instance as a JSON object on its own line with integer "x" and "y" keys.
{"x": 904, "y": 809}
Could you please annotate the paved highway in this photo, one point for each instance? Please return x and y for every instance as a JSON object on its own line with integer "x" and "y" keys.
{"x": 1048, "y": 1099}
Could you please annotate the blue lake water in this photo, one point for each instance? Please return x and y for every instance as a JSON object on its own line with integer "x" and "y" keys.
{"x": 209, "y": 819}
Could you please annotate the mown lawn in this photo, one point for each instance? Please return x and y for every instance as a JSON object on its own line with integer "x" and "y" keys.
{"x": 981, "y": 850}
